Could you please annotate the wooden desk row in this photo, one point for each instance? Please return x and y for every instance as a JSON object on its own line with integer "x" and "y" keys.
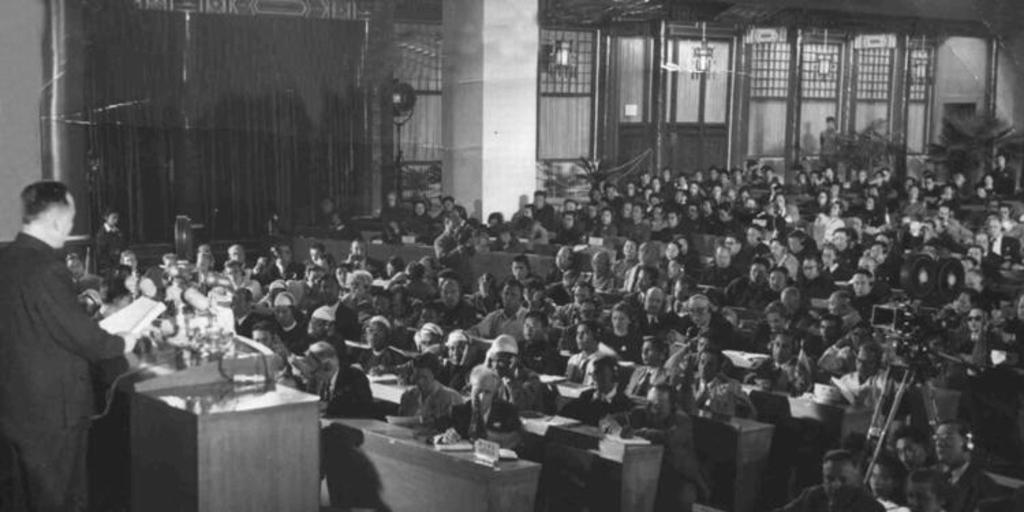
{"x": 734, "y": 453}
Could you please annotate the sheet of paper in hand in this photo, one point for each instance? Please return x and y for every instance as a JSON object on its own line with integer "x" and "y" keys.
{"x": 134, "y": 317}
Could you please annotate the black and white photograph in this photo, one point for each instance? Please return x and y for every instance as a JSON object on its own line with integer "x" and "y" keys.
{"x": 511, "y": 256}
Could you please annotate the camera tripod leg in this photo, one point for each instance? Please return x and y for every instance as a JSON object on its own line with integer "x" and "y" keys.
{"x": 908, "y": 379}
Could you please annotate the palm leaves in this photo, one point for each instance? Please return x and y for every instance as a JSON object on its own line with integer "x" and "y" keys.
{"x": 869, "y": 148}
{"x": 585, "y": 174}
{"x": 967, "y": 142}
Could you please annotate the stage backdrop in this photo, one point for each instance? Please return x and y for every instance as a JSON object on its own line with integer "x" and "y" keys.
{"x": 226, "y": 118}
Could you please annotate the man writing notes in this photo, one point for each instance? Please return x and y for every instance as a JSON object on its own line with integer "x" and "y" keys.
{"x": 47, "y": 345}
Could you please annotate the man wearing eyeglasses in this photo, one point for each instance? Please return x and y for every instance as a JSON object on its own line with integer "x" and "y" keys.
{"x": 976, "y": 341}
{"x": 343, "y": 388}
{"x": 970, "y": 484}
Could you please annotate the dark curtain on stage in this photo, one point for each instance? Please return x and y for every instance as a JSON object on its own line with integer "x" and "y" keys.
{"x": 227, "y": 119}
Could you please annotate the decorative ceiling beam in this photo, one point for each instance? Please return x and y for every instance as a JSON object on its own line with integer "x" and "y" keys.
{"x": 317, "y": 9}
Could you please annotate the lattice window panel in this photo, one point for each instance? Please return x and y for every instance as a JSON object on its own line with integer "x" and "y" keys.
{"x": 816, "y": 85}
{"x": 770, "y": 70}
{"x": 418, "y": 50}
{"x": 874, "y": 72}
{"x": 576, "y": 79}
{"x": 919, "y": 85}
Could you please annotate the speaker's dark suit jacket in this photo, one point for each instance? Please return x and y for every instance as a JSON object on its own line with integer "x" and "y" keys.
{"x": 47, "y": 346}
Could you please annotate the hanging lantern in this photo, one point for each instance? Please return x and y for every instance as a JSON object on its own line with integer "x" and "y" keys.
{"x": 920, "y": 65}
{"x": 562, "y": 59}
{"x": 703, "y": 55}
{"x": 823, "y": 66}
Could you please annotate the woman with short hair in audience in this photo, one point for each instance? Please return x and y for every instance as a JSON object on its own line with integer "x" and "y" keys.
{"x": 579, "y": 368}
{"x": 624, "y": 337}
{"x": 827, "y": 222}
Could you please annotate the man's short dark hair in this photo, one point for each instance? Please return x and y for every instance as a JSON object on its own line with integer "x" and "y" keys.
{"x": 513, "y": 283}
{"x": 865, "y": 272}
{"x": 842, "y": 456}
{"x": 607, "y": 362}
{"x": 40, "y": 196}
{"x": 264, "y": 325}
{"x": 521, "y": 258}
{"x": 915, "y": 435}
{"x": 538, "y": 316}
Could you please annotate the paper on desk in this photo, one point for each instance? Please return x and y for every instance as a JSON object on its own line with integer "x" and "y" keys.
{"x": 461, "y": 446}
{"x": 628, "y": 440}
{"x": 403, "y": 421}
{"x": 133, "y": 317}
{"x": 387, "y": 378}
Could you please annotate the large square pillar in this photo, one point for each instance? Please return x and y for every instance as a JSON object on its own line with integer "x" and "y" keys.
{"x": 489, "y": 103}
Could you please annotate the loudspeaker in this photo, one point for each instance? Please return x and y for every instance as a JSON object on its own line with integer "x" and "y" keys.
{"x": 919, "y": 276}
{"x": 949, "y": 279}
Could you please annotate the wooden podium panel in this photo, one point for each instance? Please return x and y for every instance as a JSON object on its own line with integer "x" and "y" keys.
{"x": 416, "y": 477}
{"x": 582, "y": 467}
{"x": 221, "y": 447}
{"x": 735, "y": 452}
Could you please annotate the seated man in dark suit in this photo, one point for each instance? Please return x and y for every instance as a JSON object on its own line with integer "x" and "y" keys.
{"x": 484, "y": 416}
{"x": 606, "y": 399}
{"x": 343, "y": 388}
{"x": 1003, "y": 250}
{"x": 680, "y": 482}
{"x": 970, "y": 483}
{"x": 722, "y": 272}
{"x": 842, "y": 489}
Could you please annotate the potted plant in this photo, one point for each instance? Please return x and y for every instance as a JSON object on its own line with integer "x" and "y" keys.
{"x": 870, "y": 148}
{"x": 967, "y": 143}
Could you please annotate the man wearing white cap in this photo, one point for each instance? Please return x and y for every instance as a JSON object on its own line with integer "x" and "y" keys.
{"x": 519, "y": 385}
{"x": 458, "y": 362}
{"x": 381, "y": 358}
{"x": 321, "y": 326}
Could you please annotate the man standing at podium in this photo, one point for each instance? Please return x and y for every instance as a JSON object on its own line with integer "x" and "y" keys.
{"x": 47, "y": 344}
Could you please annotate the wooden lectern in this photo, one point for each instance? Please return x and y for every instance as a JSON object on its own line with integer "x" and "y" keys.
{"x": 200, "y": 442}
